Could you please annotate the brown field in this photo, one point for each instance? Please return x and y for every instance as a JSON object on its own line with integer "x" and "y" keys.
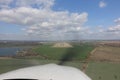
{"x": 106, "y": 53}
{"x": 110, "y": 43}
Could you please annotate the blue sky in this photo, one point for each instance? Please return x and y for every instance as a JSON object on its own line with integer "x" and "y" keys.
{"x": 59, "y": 19}
{"x": 97, "y": 15}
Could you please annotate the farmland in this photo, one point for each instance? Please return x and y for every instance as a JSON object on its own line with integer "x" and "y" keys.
{"x": 13, "y": 64}
{"x": 47, "y": 54}
{"x": 95, "y": 70}
{"x": 102, "y": 62}
{"x": 106, "y": 53}
{"x": 103, "y": 71}
{"x": 77, "y": 52}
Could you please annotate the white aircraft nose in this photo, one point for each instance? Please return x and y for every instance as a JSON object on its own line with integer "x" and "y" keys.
{"x": 20, "y": 79}
{"x": 45, "y": 72}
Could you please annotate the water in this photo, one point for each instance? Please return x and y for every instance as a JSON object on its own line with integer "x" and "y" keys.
{"x": 10, "y": 51}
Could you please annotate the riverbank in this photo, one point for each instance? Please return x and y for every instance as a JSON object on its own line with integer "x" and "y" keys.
{"x": 6, "y": 58}
{"x": 11, "y": 51}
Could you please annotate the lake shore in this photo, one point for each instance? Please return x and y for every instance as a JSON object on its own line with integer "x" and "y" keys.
{"x": 5, "y": 57}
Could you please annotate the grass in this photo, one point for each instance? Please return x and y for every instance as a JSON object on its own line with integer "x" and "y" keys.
{"x": 13, "y": 64}
{"x": 95, "y": 70}
{"x": 78, "y": 52}
{"x": 54, "y": 55}
{"x": 104, "y": 71}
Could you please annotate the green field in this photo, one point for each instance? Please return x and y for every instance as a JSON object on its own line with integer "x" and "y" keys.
{"x": 104, "y": 71}
{"x": 13, "y": 64}
{"x": 77, "y": 52}
{"x": 95, "y": 70}
{"x": 49, "y": 54}
{"x": 74, "y": 57}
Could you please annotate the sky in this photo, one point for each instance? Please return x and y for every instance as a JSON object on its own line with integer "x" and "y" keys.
{"x": 59, "y": 19}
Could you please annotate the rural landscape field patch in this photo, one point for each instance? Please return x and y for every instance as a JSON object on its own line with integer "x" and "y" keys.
{"x": 77, "y": 52}
{"x": 98, "y": 62}
{"x": 106, "y": 53}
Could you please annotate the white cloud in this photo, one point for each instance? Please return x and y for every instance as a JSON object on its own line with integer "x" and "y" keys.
{"x": 102, "y": 4}
{"x": 112, "y": 32}
{"x": 117, "y": 21}
{"x": 40, "y": 21}
{"x": 99, "y": 32}
{"x": 5, "y": 3}
{"x": 116, "y": 28}
{"x": 43, "y": 21}
{"x": 44, "y": 4}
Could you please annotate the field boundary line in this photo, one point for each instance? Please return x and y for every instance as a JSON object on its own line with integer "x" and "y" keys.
{"x": 93, "y": 51}
{"x": 85, "y": 64}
